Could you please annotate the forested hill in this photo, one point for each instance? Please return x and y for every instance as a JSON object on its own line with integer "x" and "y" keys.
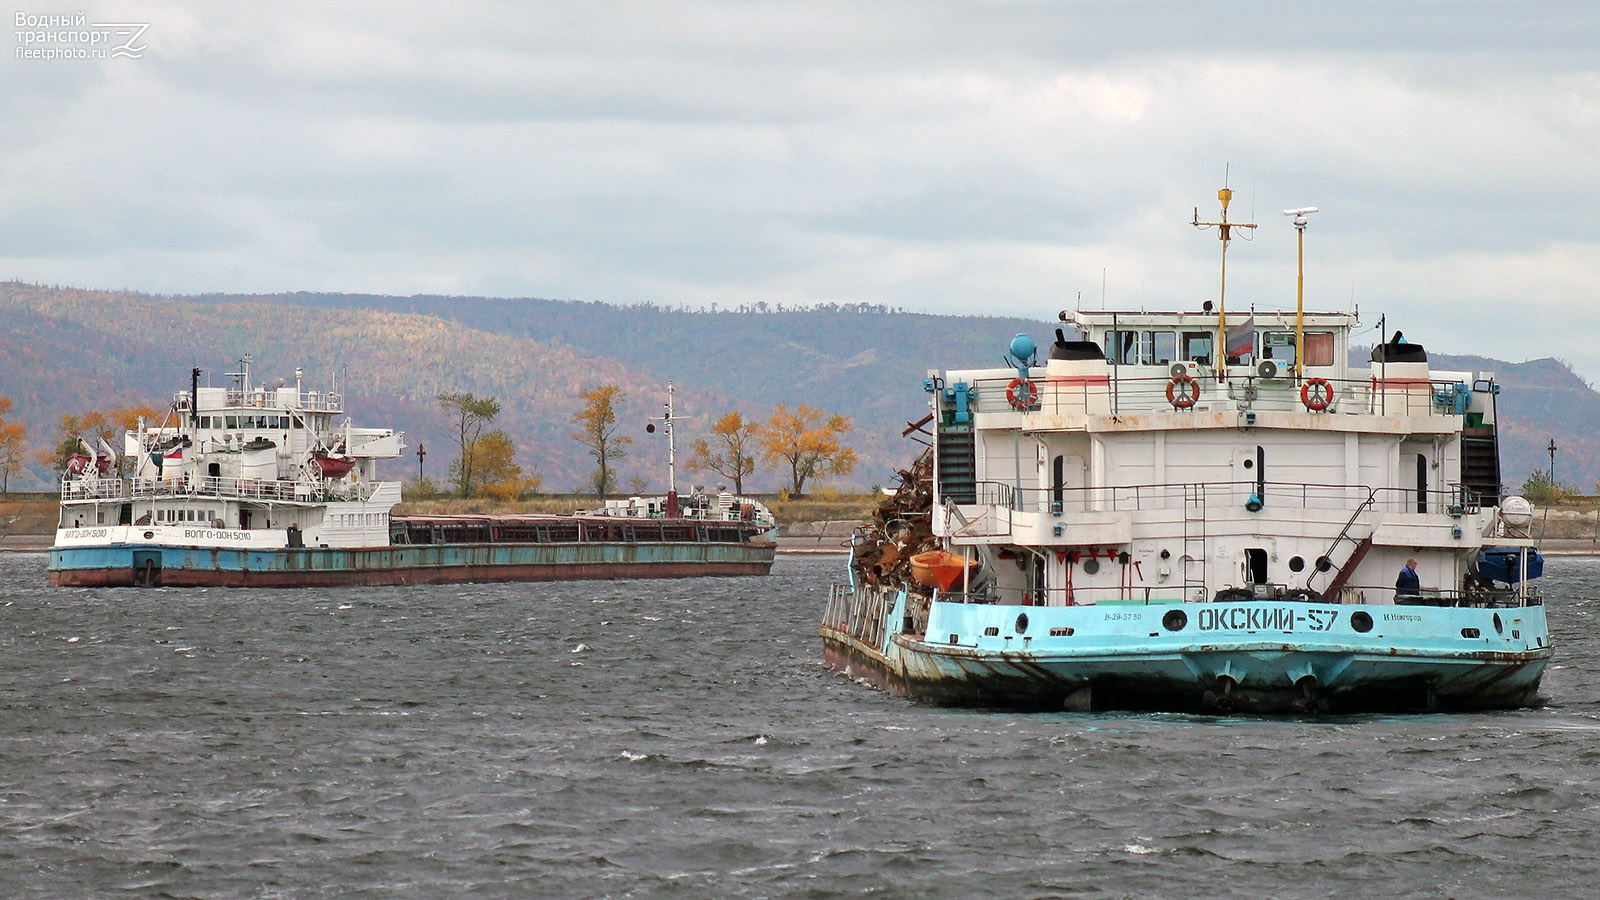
{"x": 72, "y": 350}
{"x": 68, "y": 350}
{"x": 1541, "y": 400}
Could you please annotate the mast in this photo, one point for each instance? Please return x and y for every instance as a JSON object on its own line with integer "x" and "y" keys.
{"x": 1225, "y": 234}
{"x": 672, "y": 453}
{"x": 1300, "y": 288}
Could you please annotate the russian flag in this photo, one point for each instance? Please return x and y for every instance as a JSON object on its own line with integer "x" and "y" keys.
{"x": 1242, "y": 338}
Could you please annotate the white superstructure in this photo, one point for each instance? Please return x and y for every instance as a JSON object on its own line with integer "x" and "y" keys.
{"x": 1133, "y": 466}
{"x": 243, "y": 466}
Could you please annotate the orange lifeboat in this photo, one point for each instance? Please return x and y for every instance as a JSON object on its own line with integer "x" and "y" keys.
{"x": 333, "y": 466}
{"x": 940, "y": 568}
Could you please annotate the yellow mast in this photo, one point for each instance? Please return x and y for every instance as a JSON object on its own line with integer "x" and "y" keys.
{"x": 1224, "y": 233}
{"x": 1300, "y": 289}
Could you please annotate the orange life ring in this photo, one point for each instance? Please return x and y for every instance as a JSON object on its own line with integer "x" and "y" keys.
{"x": 1316, "y": 394}
{"x": 1182, "y": 391}
{"x": 1022, "y": 393}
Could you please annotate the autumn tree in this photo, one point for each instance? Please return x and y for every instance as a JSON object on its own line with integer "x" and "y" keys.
{"x": 731, "y": 451}
{"x": 469, "y": 415}
{"x": 12, "y": 437}
{"x": 813, "y": 447}
{"x": 1541, "y": 488}
{"x": 92, "y": 428}
{"x": 497, "y": 471}
{"x": 597, "y": 425}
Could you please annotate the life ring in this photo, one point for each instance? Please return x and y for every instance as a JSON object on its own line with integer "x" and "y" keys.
{"x": 1022, "y": 393}
{"x": 1316, "y": 394}
{"x": 1182, "y": 391}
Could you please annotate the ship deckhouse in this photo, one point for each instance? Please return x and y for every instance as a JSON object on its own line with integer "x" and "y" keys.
{"x": 1138, "y": 461}
{"x": 241, "y": 466}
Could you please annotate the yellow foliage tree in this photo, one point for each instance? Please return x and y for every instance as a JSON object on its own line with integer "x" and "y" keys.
{"x": 597, "y": 426}
{"x": 93, "y": 427}
{"x": 12, "y": 437}
{"x": 734, "y": 454}
{"x": 469, "y": 415}
{"x": 809, "y": 441}
{"x": 498, "y": 474}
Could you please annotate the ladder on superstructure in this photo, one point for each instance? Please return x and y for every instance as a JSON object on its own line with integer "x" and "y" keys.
{"x": 1193, "y": 561}
{"x": 1357, "y": 553}
{"x": 956, "y": 464}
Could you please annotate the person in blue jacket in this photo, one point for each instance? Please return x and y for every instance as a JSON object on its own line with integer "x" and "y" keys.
{"x": 1408, "y": 584}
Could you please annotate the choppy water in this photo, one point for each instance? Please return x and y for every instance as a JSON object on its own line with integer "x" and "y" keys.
{"x": 682, "y": 739}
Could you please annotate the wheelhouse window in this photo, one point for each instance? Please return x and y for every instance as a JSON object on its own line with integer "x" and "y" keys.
{"x": 1278, "y": 346}
{"x": 1122, "y": 348}
{"x": 1143, "y": 348}
{"x": 1162, "y": 348}
{"x": 1197, "y": 346}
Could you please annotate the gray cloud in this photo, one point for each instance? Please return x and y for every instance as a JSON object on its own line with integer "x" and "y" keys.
{"x": 948, "y": 157}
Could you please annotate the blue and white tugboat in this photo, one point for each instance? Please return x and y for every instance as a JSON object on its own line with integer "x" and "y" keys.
{"x": 1199, "y": 511}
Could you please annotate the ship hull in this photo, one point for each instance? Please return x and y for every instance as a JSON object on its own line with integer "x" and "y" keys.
{"x": 131, "y": 565}
{"x": 1088, "y": 658}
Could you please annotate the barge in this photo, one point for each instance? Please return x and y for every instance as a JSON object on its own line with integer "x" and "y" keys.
{"x": 264, "y": 486}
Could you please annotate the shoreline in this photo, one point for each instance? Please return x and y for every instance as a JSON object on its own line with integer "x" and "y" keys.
{"x": 818, "y": 538}
{"x": 797, "y": 545}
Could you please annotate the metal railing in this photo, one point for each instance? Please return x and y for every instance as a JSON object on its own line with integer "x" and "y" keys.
{"x": 1121, "y": 394}
{"x": 1452, "y": 499}
{"x": 1162, "y": 595}
{"x": 210, "y": 487}
{"x": 310, "y": 401}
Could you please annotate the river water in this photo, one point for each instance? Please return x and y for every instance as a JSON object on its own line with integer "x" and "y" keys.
{"x": 682, "y": 739}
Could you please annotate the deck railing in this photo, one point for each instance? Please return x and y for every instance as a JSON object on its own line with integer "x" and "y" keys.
{"x": 1118, "y": 394}
{"x": 210, "y": 487}
{"x": 1452, "y": 499}
{"x": 1141, "y": 595}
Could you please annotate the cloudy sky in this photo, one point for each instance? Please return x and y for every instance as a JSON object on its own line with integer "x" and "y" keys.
{"x": 1001, "y": 156}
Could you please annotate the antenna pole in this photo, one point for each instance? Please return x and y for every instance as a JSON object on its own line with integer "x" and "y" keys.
{"x": 1300, "y": 288}
{"x": 1300, "y": 298}
{"x": 672, "y": 454}
{"x": 1225, "y": 234}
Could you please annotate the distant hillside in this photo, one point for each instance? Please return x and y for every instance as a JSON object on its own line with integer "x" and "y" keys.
{"x": 68, "y": 350}
{"x": 74, "y": 350}
{"x": 1541, "y": 400}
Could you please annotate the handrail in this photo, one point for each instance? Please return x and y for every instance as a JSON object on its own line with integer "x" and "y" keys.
{"x": 212, "y": 487}
{"x": 1344, "y": 534}
{"x": 1451, "y": 499}
{"x": 1059, "y": 597}
{"x": 1367, "y": 394}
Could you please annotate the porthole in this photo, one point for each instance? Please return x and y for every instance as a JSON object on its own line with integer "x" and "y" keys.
{"x": 1297, "y": 564}
{"x": 1361, "y": 621}
{"x": 1499, "y": 628}
{"x": 1091, "y": 566}
{"x": 1022, "y": 623}
{"x": 1175, "y": 620}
